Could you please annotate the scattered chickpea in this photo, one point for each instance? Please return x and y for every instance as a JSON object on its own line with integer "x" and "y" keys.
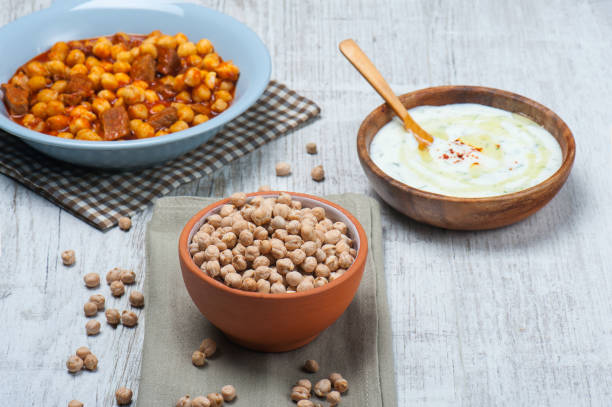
{"x": 198, "y": 358}
{"x": 333, "y": 398}
{"x": 90, "y": 309}
{"x": 123, "y": 395}
{"x": 125, "y": 223}
{"x": 129, "y": 318}
{"x": 341, "y": 385}
{"x": 305, "y": 403}
{"x": 334, "y": 377}
{"x": 299, "y": 393}
{"x": 228, "y": 392}
{"x": 208, "y": 347}
{"x": 304, "y": 383}
{"x": 216, "y": 399}
{"x": 75, "y": 403}
{"x": 113, "y": 275}
{"x": 99, "y": 300}
{"x": 92, "y": 327}
{"x": 317, "y": 173}
{"x": 311, "y": 366}
{"x": 82, "y": 352}
{"x": 311, "y": 148}
{"x": 136, "y": 299}
{"x": 184, "y": 401}
{"x": 68, "y": 257}
{"x": 117, "y": 288}
{"x": 91, "y": 362}
{"x": 200, "y": 401}
{"x": 113, "y": 317}
{"x": 322, "y": 387}
{"x": 127, "y": 276}
{"x": 92, "y": 280}
{"x": 283, "y": 169}
{"x": 74, "y": 364}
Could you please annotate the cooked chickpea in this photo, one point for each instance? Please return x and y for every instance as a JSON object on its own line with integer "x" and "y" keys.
{"x": 36, "y": 83}
{"x": 186, "y": 114}
{"x": 211, "y": 61}
{"x": 121, "y": 66}
{"x": 47, "y": 95}
{"x": 167, "y": 41}
{"x": 210, "y": 80}
{"x": 178, "y": 126}
{"x": 35, "y": 68}
{"x": 138, "y": 111}
{"x": 108, "y": 81}
{"x": 204, "y": 46}
{"x": 186, "y": 49}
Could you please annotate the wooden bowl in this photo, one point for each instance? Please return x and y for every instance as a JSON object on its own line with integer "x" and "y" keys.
{"x": 273, "y": 322}
{"x": 466, "y": 213}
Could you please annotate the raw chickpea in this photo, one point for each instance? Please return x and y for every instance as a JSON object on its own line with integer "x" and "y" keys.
{"x": 216, "y": 399}
{"x": 305, "y": 285}
{"x": 112, "y": 316}
{"x": 238, "y": 199}
{"x": 204, "y": 47}
{"x": 333, "y": 398}
{"x": 263, "y": 286}
{"x": 136, "y": 299}
{"x": 320, "y": 282}
{"x": 299, "y": 393}
{"x": 90, "y": 309}
{"x": 305, "y": 383}
{"x": 311, "y": 148}
{"x": 68, "y": 257}
{"x": 129, "y": 318}
{"x": 113, "y": 275}
{"x": 332, "y": 236}
{"x": 200, "y": 401}
{"x": 246, "y": 238}
{"x": 340, "y": 385}
{"x": 117, "y": 288}
{"x": 213, "y": 268}
{"x": 99, "y": 300}
{"x": 127, "y": 276}
{"x": 294, "y": 278}
{"x": 179, "y": 126}
{"x": 278, "y": 288}
{"x": 322, "y": 387}
{"x": 305, "y": 403}
{"x": 123, "y": 395}
{"x": 211, "y": 61}
{"x": 92, "y": 280}
{"x": 283, "y": 169}
{"x": 233, "y": 280}
{"x": 185, "y": 114}
{"x": 201, "y": 93}
{"x": 92, "y": 327}
{"x": 184, "y": 401}
{"x": 322, "y": 270}
{"x": 208, "y": 347}
{"x": 317, "y": 173}
{"x": 74, "y": 364}
{"x": 199, "y": 119}
{"x": 332, "y": 263}
{"x": 249, "y": 284}
{"x": 198, "y": 358}
{"x": 228, "y": 392}
{"x": 82, "y": 352}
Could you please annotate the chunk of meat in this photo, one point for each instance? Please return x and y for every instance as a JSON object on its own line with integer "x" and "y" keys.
{"x": 165, "y": 91}
{"x": 115, "y": 123}
{"x": 168, "y": 61}
{"x": 78, "y": 88}
{"x": 163, "y": 119}
{"x": 16, "y": 98}
{"x": 143, "y": 68}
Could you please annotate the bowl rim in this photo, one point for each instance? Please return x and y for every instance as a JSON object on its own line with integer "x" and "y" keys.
{"x": 187, "y": 260}
{"x": 566, "y": 164}
{"x": 253, "y": 91}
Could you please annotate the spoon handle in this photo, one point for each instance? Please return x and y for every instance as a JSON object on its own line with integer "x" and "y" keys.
{"x": 366, "y": 68}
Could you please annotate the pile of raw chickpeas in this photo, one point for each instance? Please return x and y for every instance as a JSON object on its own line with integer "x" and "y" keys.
{"x": 272, "y": 245}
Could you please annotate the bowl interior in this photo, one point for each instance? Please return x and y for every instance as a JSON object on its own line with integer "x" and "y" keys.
{"x": 331, "y": 212}
{"x": 444, "y": 95}
{"x": 68, "y": 20}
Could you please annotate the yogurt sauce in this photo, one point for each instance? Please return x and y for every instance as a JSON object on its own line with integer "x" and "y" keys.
{"x": 478, "y": 151}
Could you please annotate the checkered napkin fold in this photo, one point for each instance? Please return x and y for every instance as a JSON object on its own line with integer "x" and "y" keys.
{"x": 100, "y": 198}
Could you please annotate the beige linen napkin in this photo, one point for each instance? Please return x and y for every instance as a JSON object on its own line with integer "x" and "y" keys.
{"x": 358, "y": 345}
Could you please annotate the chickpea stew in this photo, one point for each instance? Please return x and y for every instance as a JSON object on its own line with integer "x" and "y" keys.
{"x": 121, "y": 87}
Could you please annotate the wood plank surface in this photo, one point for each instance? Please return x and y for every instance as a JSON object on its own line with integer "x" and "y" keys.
{"x": 514, "y": 317}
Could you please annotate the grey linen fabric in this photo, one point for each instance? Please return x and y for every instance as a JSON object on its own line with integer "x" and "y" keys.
{"x": 100, "y": 198}
{"x": 358, "y": 345}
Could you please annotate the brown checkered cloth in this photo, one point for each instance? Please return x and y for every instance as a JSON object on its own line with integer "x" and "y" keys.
{"x": 100, "y": 198}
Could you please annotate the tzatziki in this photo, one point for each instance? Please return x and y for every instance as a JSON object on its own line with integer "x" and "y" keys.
{"x": 478, "y": 151}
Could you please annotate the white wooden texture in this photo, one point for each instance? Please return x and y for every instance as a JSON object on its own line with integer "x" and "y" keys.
{"x": 514, "y": 317}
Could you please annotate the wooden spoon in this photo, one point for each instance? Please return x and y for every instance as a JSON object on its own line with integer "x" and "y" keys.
{"x": 366, "y": 68}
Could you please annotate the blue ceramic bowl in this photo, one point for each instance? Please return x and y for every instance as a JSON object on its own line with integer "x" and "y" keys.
{"x": 68, "y": 20}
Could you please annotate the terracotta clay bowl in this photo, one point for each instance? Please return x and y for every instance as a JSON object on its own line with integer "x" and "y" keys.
{"x": 273, "y": 322}
{"x": 466, "y": 213}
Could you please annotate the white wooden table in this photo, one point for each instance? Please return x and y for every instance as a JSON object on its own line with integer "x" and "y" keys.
{"x": 518, "y": 316}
